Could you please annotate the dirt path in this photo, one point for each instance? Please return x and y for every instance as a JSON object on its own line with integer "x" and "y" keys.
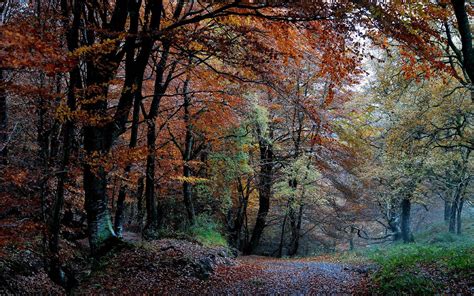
{"x": 260, "y": 275}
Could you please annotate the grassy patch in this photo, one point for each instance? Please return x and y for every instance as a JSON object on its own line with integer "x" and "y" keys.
{"x": 206, "y": 231}
{"x": 422, "y": 268}
{"x": 438, "y": 262}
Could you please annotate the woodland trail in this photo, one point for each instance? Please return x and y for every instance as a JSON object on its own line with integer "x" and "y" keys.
{"x": 269, "y": 276}
{"x": 245, "y": 275}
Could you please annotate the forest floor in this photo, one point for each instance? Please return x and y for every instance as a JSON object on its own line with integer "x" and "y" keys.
{"x": 438, "y": 264}
{"x": 292, "y": 277}
{"x": 175, "y": 267}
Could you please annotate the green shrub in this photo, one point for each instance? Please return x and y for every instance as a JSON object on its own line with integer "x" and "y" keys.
{"x": 206, "y": 231}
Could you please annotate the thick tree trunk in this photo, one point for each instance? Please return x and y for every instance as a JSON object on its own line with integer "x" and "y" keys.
{"x": 98, "y": 217}
{"x": 97, "y": 143}
{"x": 405, "y": 220}
{"x": 264, "y": 191}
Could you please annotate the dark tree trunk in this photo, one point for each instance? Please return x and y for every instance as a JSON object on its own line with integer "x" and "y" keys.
{"x": 72, "y": 36}
{"x": 151, "y": 209}
{"x": 464, "y": 28}
{"x": 264, "y": 192}
{"x": 95, "y": 186}
{"x": 3, "y": 121}
{"x": 139, "y": 197}
{"x": 295, "y": 220}
{"x": 138, "y": 77}
{"x": 282, "y": 238}
{"x": 447, "y": 210}
{"x": 119, "y": 214}
{"x": 295, "y": 233}
{"x": 235, "y": 229}
{"x": 97, "y": 143}
{"x": 296, "y": 217}
{"x": 119, "y": 211}
{"x": 188, "y": 147}
{"x": 351, "y": 239}
{"x": 459, "y": 216}
{"x": 187, "y": 195}
{"x": 405, "y": 220}
{"x": 154, "y": 213}
{"x": 454, "y": 210}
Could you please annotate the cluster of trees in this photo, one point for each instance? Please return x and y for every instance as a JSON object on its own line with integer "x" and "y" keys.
{"x": 422, "y": 143}
{"x": 154, "y": 113}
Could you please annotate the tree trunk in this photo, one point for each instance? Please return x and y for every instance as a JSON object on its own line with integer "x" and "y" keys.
{"x": 264, "y": 191}
{"x": 405, "y": 220}
{"x": 447, "y": 210}
{"x": 295, "y": 220}
{"x": 295, "y": 233}
{"x": 97, "y": 143}
{"x": 394, "y": 224}
{"x": 187, "y": 187}
{"x": 235, "y": 229}
{"x": 351, "y": 239}
{"x": 136, "y": 69}
{"x": 56, "y": 272}
{"x": 119, "y": 214}
{"x": 3, "y": 121}
{"x": 454, "y": 210}
{"x": 160, "y": 87}
{"x": 151, "y": 209}
{"x": 464, "y": 28}
{"x": 139, "y": 197}
{"x": 282, "y": 238}
{"x": 187, "y": 195}
{"x": 459, "y": 217}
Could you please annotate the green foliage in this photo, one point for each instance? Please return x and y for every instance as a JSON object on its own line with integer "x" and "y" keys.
{"x": 306, "y": 176}
{"x": 206, "y": 231}
{"x": 260, "y": 118}
{"x": 405, "y": 283}
{"x": 407, "y": 269}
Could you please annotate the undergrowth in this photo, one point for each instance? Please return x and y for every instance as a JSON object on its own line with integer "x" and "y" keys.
{"x": 438, "y": 262}
{"x": 426, "y": 266}
{"x": 414, "y": 268}
{"x": 206, "y": 231}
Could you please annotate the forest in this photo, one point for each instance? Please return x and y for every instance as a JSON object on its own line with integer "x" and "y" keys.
{"x": 240, "y": 147}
